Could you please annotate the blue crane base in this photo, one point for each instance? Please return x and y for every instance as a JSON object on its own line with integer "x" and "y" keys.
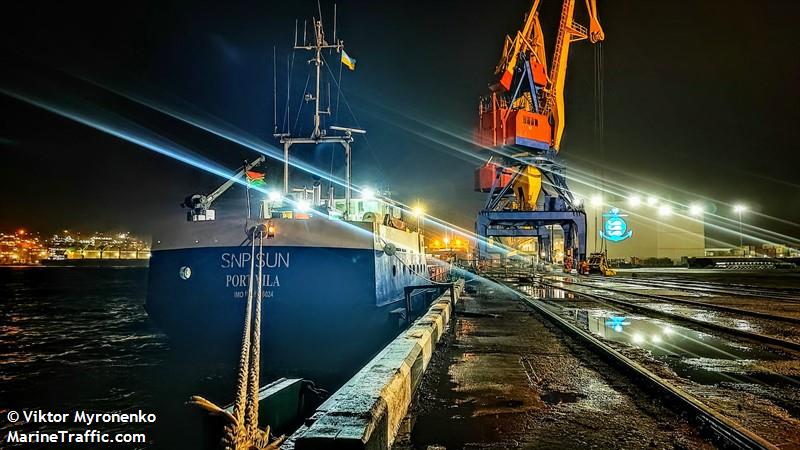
{"x": 517, "y": 223}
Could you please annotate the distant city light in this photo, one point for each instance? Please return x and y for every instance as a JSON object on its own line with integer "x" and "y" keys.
{"x": 274, "y": 196}
{"x": 695, "y": 209}
{"x": 668, "y": 330}
{"x": 664, "y": 210}
{"x": 652, "y": 201}
{"x": 739, "y": 208}
{"x": 303, "y": 205}
{"x": 418, "y": 211}
{"x": 656, "y": 339}
{"x": 597, "y": 200}
{"x": 446, "y": 241}
{"x": 634, "y": 200}
{"x": 638, "y": 338}
{"x": 367, "y": 193}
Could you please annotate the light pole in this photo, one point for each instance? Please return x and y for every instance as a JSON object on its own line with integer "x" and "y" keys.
{"x": 597, "y": 201}
{"x": 739, "y": 209}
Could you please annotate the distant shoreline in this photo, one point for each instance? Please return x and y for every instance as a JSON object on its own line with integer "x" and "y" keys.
{"x": 82, "y": 263}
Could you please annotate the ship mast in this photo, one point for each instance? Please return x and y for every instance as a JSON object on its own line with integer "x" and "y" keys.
{"x": 318, "y": 134}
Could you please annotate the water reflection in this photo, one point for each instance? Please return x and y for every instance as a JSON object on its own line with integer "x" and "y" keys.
{"x": 538, "y": 292}
{"x": 690, "y": 353}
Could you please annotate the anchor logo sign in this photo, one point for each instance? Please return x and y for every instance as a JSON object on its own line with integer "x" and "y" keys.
{"x": 615, "y": 228}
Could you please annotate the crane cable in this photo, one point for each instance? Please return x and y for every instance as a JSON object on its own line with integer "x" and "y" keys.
{"x": 241, "y": 430}
{"x": 599, "y": 125}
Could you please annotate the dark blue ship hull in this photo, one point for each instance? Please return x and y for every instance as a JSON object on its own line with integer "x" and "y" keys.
{"x": 324, "y": 308}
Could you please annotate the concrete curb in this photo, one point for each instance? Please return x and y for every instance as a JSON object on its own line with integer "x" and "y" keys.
{"x": 367, "y": 411}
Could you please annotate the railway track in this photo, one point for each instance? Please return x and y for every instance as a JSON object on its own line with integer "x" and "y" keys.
{"x": 729, "y": 432}
{"x": 631, "y": 305}
{"x": 742, "y": 290}
{"x": 667, "y": 298}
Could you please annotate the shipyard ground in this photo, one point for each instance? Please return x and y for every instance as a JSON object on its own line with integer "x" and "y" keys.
{"x": 505, "y": 378}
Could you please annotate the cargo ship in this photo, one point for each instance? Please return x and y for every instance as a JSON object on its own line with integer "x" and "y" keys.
{"x": 335, "y": 268}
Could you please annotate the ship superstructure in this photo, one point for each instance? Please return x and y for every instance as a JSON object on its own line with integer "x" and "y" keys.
{"x": 332, "y": 264}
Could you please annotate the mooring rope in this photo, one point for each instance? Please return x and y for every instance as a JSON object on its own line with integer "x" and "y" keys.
{"x": 241, "y": 430}
{"x": 251, "y": 418}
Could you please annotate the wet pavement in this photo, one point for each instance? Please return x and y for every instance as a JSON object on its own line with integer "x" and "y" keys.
{"x": 505, "y": 378}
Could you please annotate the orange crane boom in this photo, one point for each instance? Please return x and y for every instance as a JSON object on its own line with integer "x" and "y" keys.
{"x": 534, "y": 116}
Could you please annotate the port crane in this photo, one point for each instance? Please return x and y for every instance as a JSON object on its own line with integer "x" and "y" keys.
{"x": 521, "y": 121}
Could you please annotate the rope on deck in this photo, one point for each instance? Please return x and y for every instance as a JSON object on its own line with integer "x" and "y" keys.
{"x": 241, "y": 430}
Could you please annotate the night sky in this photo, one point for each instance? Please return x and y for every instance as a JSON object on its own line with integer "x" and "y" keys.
{"x": 701, "y": 101}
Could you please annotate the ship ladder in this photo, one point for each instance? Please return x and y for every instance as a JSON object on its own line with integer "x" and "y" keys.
{"x": 241, "y": 430}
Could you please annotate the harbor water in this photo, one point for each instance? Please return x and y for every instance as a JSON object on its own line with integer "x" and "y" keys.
{"x": 79, "y": 339}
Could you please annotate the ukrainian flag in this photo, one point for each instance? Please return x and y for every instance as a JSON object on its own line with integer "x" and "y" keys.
{"x": 348, "y": 61}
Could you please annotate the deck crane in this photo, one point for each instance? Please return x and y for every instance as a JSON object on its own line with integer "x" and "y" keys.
{"x": 522, "y": 122}
{"x": 200, "y": 204}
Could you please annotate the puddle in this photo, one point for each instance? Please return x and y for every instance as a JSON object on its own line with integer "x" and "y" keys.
{"x": 478, "y": 314}
{"x": 545, "y": 293}
{"x": 692, "y": 354}
{"x": 556, "y": 397}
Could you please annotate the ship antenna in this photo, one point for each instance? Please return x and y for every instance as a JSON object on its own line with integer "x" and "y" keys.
{"x": 288, "y": 83}
{"x": 318, "y": 135}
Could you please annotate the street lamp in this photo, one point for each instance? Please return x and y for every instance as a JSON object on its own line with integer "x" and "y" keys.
{"x": 367, "y": 193}
{"x": 418, "y": 213}
{"x": 652, "y": 201}
{"x": 597, "y": 201}
{"x": 739, "y": 209}
{"x": 696, "y": 210}
{"x": 664, "y": 210}
{"x": 634, "y": 201}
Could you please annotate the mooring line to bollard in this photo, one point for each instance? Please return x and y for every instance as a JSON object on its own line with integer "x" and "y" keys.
{"x": 241, "y": 430}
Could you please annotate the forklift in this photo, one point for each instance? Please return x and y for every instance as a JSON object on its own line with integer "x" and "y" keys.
{"x": 598, "y": 263}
